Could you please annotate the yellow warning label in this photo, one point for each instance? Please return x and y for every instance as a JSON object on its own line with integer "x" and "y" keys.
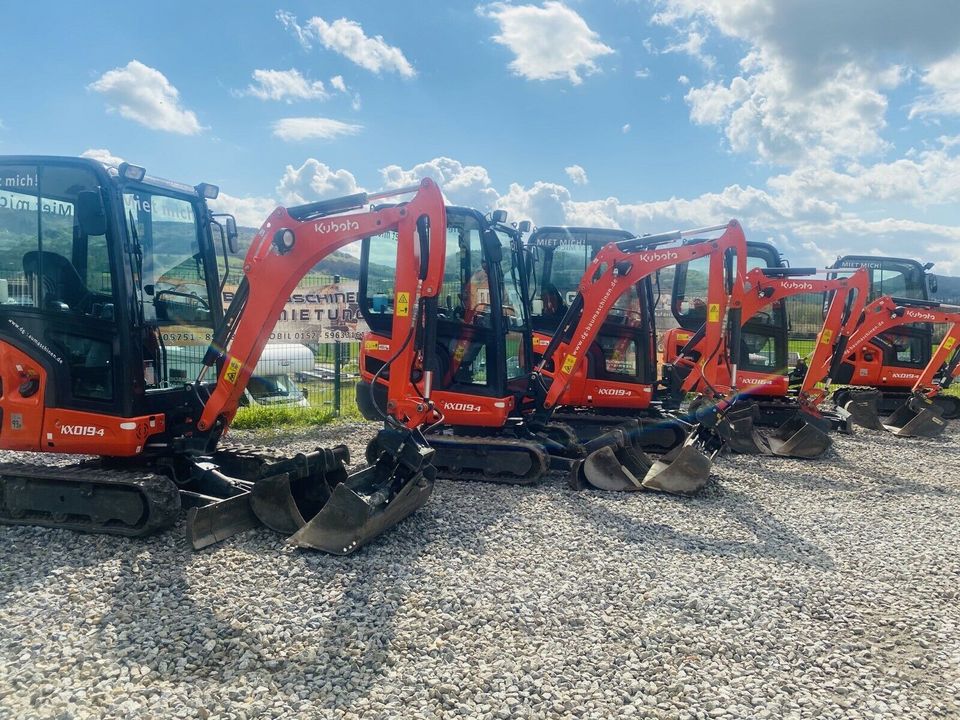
{"x": 713, "y": 313}
{"x": 458, "y": 353}
{"x": 827, "y": 336}
{"x": 949, "y": 343}
{"x": 683, "y": 336}
{"x": 403, "y": 304}
{"x": 568, "y": 362}
{"x": 370, "y": 344}
{"x": 233, "y": 369}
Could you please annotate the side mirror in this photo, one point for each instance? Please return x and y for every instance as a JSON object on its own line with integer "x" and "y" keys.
{"x": 499, "y": 216}
{"x": 524, "y": 226}
{"x": 90, "y": 213}
{"x": 232, "y": 234}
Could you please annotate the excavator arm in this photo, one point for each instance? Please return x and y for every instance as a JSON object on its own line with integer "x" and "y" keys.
{"x": 288, "y": 245}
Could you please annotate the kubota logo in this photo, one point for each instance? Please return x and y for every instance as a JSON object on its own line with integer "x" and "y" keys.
{"x": 920, "y": 315}
{"x": 333, "y": 226}
{"x": 797, "y": 285}
{"x": 658, "y": 256}
{"x": 620, "y": 392}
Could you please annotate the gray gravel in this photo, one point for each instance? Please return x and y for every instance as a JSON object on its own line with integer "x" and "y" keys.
{"x": 790, "y": 589}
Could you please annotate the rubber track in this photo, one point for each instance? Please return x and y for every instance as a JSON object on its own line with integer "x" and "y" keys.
{"x": 158, "y": 495}
{"x": 539, "y": 460}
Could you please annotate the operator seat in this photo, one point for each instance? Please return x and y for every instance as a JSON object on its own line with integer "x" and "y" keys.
{"x": 61, "y": 281}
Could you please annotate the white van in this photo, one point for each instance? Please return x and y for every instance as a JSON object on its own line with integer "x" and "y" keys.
{"x": 273, "y": 381}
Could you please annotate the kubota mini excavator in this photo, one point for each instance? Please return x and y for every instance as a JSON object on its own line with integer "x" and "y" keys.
{"x": 760, "y": 294}
{"x": 919, "y": 414}
{"x": 495, "y": 424}
{"x": 894, "y": 361}
{"x": 620, "y": 375}
{"x": 103, "y": 270}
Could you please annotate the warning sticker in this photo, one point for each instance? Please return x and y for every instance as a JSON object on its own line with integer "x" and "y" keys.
{"x": 568, "y": 362}
{"x": 233, "y": 370}
{"x": 827, "y": 336}
{"x": 403, "y": 304}
{"x": 949, "y": 343}
{"x": 370, "y": 344}
{"x": 713, "y": 313}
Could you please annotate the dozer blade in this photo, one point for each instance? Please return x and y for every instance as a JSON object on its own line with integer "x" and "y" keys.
{"x": 738, "y": 426}
{"x": 219, "y": 520}
{"x": 375, "y": 499}
{"x": 864, "y": 408}
{"x": 613, "y": 462}
{"x": 917, "y": 417}
{"x": 682, "y": 471}
{"x": 799, "y": 437}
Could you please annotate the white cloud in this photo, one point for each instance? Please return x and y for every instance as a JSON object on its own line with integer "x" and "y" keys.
{"x": 683, "y": 80}
{"x": 543, "y": 203}
{"x": 625, "y": 129}
{"x": 288, "y": 85}
{"x": 308, "y": 128}
{"x": 347, "y": 38}
{"x": 817, "y": 74}
{"x": 103, "y": 155}
{"x": 549, "y": 42}
{"x": 143, "y": 94}
{"x": 642, "y": 73}
{"x": 693, "y": 46}
{"x": 337, "y": 83}
{"x": 576, "y": 174}
{"x": 468, "y": 185}
{"x": 249, "y": 211}
{"x": 943, "y": 80}
{"x": 315, "y": 180}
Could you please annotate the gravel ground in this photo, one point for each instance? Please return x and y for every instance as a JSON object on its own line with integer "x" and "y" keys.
{"x": 789, "y": 589}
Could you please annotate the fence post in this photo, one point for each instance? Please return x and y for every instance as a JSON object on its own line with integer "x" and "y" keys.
{"x": 336, "y": 378}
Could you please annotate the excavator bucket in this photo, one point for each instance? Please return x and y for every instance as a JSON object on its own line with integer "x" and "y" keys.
{"x": 682, "y": 471}
{"x": 802, "y": 436}
{"x": 864, "y": 407}
{"x": 616, "y": 462}
{"x": 738, "y": 427}
{"x": 917, "y": 417}
{"x": 613, "y": 462}
{"x": 374, "y": 499}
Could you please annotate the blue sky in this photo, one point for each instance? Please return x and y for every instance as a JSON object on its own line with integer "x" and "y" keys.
{"x": 822, "y": 126}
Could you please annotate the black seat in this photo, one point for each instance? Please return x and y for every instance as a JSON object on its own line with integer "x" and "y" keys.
{"x": 61, "y": 281}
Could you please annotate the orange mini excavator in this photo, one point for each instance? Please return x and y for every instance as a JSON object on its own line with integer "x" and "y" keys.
{"x": 919, "y": 414}
{"x": 759, "y": 294}
{"x": 104, "y": 272}
{"x": 492, "y": 406}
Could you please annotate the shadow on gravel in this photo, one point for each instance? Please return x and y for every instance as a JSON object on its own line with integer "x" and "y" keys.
{"x": 327, "y": 624}
{"x": 857, "y": 478}
{"x": 772, "y": 539}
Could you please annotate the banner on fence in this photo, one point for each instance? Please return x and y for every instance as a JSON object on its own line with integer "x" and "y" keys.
{"x": 317, "y": 313}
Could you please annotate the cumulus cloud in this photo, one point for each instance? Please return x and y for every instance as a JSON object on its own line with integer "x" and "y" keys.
{"x": 288, "y": 85}
{"x": 468, "y": 185}
{"x": 249, "y": 211}
{"x": 143, "y": 94}
{"x": 818, "y": 75}
{"x": 103, "y": 155}
{"x": 311, "y": 128}
{"x": 315, "y": 180}
{"x": 942, "y": 80}
{"x": 576, "y": 174}
{"x": 625, "y": 129}
{"x": 549, "y": 43}
{"x": 347, "y": 38}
